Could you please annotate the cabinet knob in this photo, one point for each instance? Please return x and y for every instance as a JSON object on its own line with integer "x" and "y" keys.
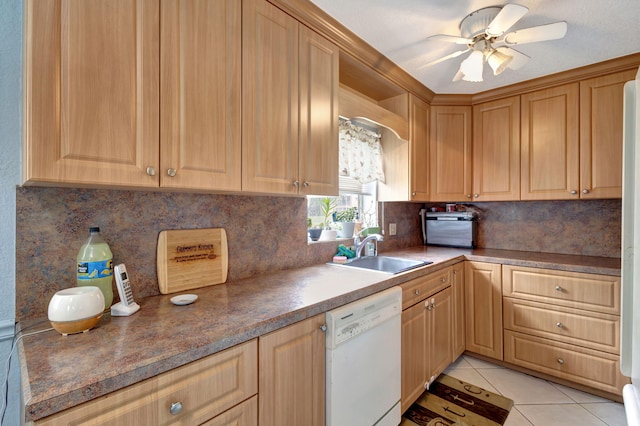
{"x": 323, "y": 327}
{"x": 296, "y": 183}
{"x": 413, "y": 194}
{"x": 151, "y": 171}
{"x": 428, "y": 305}
{"x": 559, "y": 325}
{"x": 560, "y": 361}
{"x": 417, "y": 292}
{"x": 574, "y": 192}
{"x": 171, "y": 172}
{"x": 585, "y": 191}
{"x": 175, "y": 408}
{"x": 443, "y": 279}
{"x": 305, "y": 184}
{"x": 476, "y": 195}
{"x": 558, "y": 288}
{"x": 468, "y": 195}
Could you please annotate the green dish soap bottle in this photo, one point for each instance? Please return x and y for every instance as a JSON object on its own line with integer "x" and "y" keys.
{"x": 95, "y": 265}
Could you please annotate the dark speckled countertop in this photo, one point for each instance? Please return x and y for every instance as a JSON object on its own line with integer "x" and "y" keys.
{"x": 60, "y": 372}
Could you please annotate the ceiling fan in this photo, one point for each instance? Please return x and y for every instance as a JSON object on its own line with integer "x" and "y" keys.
{"x": 485, "y": 34}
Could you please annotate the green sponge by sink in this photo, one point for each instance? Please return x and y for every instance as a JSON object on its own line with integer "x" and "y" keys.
{"x": 344, "y": 251}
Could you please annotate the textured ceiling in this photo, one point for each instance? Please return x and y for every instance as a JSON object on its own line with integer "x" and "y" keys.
{"x": 597, "y": 31}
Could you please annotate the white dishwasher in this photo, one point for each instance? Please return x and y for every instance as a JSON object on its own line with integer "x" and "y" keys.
{"x": 363, "y": 361}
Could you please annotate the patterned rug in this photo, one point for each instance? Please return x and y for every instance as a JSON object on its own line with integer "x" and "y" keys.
{"x": 450, "y": 401}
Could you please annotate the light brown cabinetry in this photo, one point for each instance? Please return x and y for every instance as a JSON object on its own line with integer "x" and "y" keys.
{"x": 450, "y": 153}
{"x": 292, "y": 375}
{"x": 153, "y": 101}
{"x": 496, "y": 150}
{"x": 483, "y": 308}
{"x": 196, "y": 393}
{"x": 550, "y": 137}
{"x": 419, "y": 112}
{"x": 91, "y": 92}
{"x": 427, "y": 332}
{"x": 457, "y": 300}
{"x": 290, "y": 105}
{"x": 564, "y": 324}
{"x": 601, "y": 112}
{"x": 200, "y": 86}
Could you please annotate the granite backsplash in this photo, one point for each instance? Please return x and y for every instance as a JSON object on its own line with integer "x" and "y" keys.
{"x": 265, "y": 233}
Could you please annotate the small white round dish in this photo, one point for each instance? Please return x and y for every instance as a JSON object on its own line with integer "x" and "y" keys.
{"x": 184, "y": 299}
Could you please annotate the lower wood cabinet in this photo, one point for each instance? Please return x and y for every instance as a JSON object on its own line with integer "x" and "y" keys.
{"x": 457, "y": 302}
{"x": 292, "y": 375}
{"x": 483, "y": 308}
{"x": 195, "y": 393}
{"x": 427, "y": 330}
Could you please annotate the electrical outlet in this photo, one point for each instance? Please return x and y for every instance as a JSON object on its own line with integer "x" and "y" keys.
{"x": 392, "y": 229}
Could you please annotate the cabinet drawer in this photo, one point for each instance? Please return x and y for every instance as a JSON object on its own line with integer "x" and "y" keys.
{"x": 600, "y": 293}
{"x": 209, "y": 386}
{"x": 245, "y": 414}
{"x": 599, "y": 370}
{"x": 583, "y": 328}
{"x": 420, "y": 288}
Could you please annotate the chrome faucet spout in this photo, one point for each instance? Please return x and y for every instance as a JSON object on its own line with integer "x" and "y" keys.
{"x": 358, "y": 245}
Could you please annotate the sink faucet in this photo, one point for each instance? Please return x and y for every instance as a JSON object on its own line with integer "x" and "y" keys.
{"x": 357, "y": 244}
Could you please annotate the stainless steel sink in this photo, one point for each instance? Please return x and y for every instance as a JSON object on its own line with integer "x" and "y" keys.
{"x": 389, "y": 265}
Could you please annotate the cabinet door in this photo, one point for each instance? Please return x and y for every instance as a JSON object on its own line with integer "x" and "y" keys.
{"x": 496, "y": 150}
{"x": 91, "y": 92}
{"x": 601, "y": 112}
{"x": 483, "y": 308}
{"x": 200, "y": 82}
{"x": 319, "y": 86}
{"x": 292, "y": 375}
{"x": 415, "y": 353}
{"x": 440, "y": 333}
{"x": 419, "y": 149}
{"x": 457, "y": 297}
{"x": 450, "y": 153}
{"x": 549, "y": 144}
{"x": 269, "y": 99}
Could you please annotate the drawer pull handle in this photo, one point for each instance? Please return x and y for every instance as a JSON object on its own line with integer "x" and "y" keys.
{"x": 559, "y": 325}
{"x": 417, "y": 292}
{"x": 558, "y": 288}
{"x": 560, "y": 361}
{"x": 323, "y": 327}
{"x": 443, "y": 279}
{"x": 175, "y": 408}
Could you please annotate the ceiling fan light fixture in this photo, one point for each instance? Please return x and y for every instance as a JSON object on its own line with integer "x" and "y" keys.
{"x": 471, "y": 68}
{"x": 498, "y": 61}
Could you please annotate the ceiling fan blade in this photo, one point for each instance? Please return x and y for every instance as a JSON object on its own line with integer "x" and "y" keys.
{"x": 519, "y": 58}
{"x": 509, "y": 15}
{"x": 534, "y": 34}
{"x": 444, "y": 58}
{"x": 450, "y": 39}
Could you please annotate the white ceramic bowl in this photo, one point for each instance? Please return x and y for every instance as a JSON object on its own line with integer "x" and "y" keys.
{"x": 76, "y": 303}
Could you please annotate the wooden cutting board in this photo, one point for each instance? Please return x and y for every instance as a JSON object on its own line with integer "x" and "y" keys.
{"x": 191, "y": 258}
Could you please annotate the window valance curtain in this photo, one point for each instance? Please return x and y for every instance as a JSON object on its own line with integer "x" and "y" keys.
{"x": 360, "y": 153}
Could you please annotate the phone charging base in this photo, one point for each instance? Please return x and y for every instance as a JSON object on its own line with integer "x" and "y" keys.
{"x": 119, "y": 310}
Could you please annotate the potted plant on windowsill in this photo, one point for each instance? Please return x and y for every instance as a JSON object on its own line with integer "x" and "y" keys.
{"x": 327, "y": 206}
{"x": 346, "y": 220}
{"x": 314, "y": 231}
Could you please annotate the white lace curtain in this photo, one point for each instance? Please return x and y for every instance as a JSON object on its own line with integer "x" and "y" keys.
{"x": 360, "y": 153}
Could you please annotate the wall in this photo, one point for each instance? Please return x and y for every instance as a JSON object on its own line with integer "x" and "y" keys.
{"x": 10, "y": 143}
{"x": 584, "y": 227}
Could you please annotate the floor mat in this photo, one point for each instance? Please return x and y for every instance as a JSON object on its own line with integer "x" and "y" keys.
{"x": 450, "y": 401}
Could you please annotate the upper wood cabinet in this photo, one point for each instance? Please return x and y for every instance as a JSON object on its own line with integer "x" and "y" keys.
{"x": 200, "y": 86}
{"x": 550, "y": 157}
{"x": 419, "y": 112}
{"x": 290, "y": 105}
{"x": 91, "y": 92}
{"x": 496, "y": 150}
{"x": 450, "y": 153}
{"x": 601, "y": 113}
{"x": 153, "y": 101}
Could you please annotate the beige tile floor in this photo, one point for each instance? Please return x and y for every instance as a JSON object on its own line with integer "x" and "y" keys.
{"x": 538, "y": 402}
